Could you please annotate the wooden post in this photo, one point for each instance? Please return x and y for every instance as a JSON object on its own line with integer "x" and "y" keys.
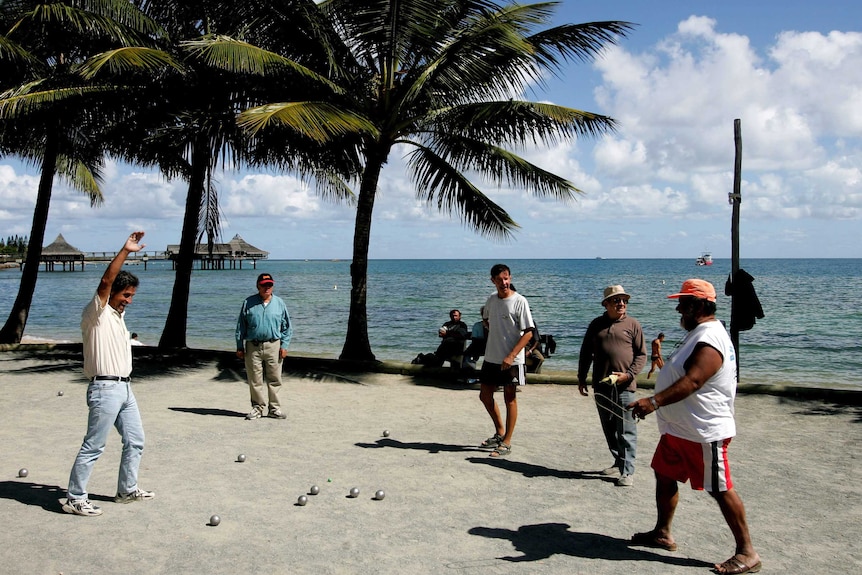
{"x": 735, "y": 199}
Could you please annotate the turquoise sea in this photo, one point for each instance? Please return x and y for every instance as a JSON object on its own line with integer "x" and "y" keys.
{"x": 811, "y": 335}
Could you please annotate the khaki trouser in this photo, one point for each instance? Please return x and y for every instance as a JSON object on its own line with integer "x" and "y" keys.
{"x": 263, "y": 368}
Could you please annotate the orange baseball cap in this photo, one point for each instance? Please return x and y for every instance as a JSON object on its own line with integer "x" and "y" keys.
{"x": 265, "y": 280}
{"x": 696, "y": 288}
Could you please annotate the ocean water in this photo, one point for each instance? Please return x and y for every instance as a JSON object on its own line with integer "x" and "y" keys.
{"x": 811, "y": 335}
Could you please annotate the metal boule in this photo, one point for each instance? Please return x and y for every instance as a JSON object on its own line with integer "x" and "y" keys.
{"x": 23, "y": 472}
{"x": 354, "y": 492}
{"x": 215, "y": 520}
{"x": 314, "y": 490}
{"x": 302, "y": 500}
{"x": 241, "y": 457}
{"x": 379, "y": 495}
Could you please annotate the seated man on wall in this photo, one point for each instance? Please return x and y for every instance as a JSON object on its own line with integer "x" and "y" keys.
{"x": 453, "y": 333}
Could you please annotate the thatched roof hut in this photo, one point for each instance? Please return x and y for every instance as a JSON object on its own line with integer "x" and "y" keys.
{"x": 61, "y": 252}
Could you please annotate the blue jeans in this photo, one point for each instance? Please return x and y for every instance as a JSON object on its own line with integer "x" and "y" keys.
{"x": 111, "y": 403}
{"x": 618, "y": 425}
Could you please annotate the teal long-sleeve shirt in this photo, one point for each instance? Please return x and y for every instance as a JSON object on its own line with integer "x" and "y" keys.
{"x": 259, "y": 322}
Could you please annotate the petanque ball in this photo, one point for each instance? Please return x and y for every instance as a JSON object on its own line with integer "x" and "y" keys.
{"x": 215, "y": 520}
{"x": 379, "y": 495}
{"x": 240, "y": 457}
{"x": 314, "y": 490}
{"x": 354, "y": 492}
{"x": 23, "y": 472}
{"x": 60, "y": 394}
{"x": 385, "y": 433}
{"x": 302, "y": 500}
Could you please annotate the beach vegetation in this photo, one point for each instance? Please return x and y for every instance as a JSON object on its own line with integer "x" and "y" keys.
{"x": 444, "y": 82}
{"x": 51, "y": 114}
{"x": 233, "y": 56}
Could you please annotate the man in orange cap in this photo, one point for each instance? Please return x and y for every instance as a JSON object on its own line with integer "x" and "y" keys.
{"x": 693, "y": 402}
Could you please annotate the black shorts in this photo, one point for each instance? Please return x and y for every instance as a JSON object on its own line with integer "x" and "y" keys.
{"x": 494, "y": 374}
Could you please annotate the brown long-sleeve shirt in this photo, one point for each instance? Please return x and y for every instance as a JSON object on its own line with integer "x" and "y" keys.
{"x": 612, "y": 345}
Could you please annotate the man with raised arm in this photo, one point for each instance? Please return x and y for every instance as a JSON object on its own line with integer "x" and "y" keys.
{"x": 108, "y": 366}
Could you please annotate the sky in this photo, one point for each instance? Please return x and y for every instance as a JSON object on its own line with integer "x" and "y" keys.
{"x": 789, "y": 70}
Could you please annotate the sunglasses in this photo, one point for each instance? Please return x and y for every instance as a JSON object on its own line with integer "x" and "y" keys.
{"x": 617, "y": 300}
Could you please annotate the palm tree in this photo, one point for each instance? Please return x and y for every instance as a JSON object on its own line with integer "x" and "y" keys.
{"x": 193, "y": 129}
{"x": 49, "y": 114}
{"x": 442, "y": 78}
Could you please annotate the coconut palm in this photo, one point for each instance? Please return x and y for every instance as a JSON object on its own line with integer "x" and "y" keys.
{"x": 442, "y": 79}
{"x": 192, "y": 132}
{"x": 49, "y": 114}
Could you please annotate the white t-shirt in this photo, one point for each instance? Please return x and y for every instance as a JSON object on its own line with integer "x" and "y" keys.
{"x": 707, "y": 414}
{"x": 107, "y": 350}
{"x": 507, "y": 320}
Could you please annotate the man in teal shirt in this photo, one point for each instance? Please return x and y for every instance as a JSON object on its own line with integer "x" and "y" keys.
{"x": 263, "y": 333}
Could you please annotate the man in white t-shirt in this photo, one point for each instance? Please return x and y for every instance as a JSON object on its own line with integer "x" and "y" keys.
{"x": 694, "y": 407}
{"x": 510, "y": 328}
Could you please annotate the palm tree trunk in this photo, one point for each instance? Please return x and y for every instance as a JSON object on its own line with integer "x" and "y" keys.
{"x": 13, "y": 329}
{"x": 357, "y": 347}
{"x": 174, "y": 334}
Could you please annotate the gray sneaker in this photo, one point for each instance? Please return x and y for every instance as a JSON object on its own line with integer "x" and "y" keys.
{"x": 254, "y": 414}
{"x": 136, "y": 495}
{"x": 626, "y": 481}
{"x": 277, "y": 414}
{"x": 612, "y": 471}
{"x": 81, "y": 507}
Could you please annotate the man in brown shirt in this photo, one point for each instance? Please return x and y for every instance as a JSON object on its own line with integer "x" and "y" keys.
{"x": 614, "y": 345}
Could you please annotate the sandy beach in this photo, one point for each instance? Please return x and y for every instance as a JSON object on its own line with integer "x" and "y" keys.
{"x": 448, "y": 508}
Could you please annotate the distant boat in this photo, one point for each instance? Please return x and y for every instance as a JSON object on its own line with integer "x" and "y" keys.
{"x": 705, "y": 259}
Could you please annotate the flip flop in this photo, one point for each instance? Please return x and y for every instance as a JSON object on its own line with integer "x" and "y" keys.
{"x": 649, "y": 539}
{"x": 492, "y": 442}
{"x": 502, "y": 450}
{"x": 734, "y": 566}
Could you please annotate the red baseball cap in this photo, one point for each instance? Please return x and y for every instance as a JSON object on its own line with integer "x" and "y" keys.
{"x": 696, "y": 288}
{"x": 265, "y": 280}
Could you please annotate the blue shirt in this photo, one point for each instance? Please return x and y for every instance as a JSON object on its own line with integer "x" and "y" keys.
{"x": 258, "y": 322}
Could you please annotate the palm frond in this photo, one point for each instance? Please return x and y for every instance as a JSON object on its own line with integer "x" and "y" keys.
{"x": 229, "y": 54}
{"x": 23, "y": 99}
{"x": 440, "y": 183}
{"x": 583, "y": 42}
{"x": 81, "y": 177}
{"x": 500, "y": 165}
{"x": 129, "y": 59}
{"x": 520, "y": 123}
{"x": 319, "y": 121}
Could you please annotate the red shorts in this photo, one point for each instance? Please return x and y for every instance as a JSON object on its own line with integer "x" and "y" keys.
{"x": 704, "y": 465}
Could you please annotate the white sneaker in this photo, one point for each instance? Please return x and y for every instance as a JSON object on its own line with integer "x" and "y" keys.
{"x": 626, "y": 481}
{"x": 136, "y": 495}
{"x": 81, "y": 507}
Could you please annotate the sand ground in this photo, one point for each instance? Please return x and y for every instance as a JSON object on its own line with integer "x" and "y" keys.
{"x": 449, "y": 508}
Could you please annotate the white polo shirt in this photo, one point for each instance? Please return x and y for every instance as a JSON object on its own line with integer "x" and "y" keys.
{"x": 107, "y": 350}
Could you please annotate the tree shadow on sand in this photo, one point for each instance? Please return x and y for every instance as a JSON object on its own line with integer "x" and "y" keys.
{"x": 430, "y": 447}
{"x": 541, "y": 541}
{"x": 48, "y": 497}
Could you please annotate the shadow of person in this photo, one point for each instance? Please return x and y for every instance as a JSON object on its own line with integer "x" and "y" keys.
{"x": 529, "y": 469}
{"x": 45, "y": 496}
{"x": 208, "y": 411}
{"x": 421, "y": 446}
{"x": 537, "y": 542}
